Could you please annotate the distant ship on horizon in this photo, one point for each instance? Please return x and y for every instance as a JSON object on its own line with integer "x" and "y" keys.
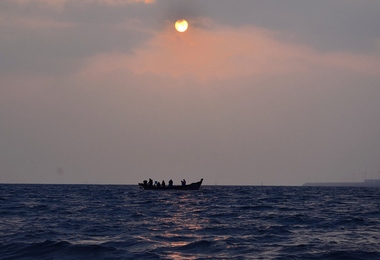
{"x": 365, "y": 183}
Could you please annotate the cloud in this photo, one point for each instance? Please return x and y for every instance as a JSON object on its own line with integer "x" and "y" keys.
{"x": 60, "y": 3}
{"x": 219, "y": 40}
{"x": 225, "y": 52}
{"x": 337, "y": 25}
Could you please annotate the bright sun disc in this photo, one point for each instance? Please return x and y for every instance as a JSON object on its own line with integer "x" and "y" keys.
{"x": 181, "y": 25}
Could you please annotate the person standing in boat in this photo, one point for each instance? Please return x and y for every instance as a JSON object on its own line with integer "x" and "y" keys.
{"x": 150, "y": 183}
{"x": 163, "y": 184}
{"x": 183, "y": 182}
{"x": 170, "y": 183}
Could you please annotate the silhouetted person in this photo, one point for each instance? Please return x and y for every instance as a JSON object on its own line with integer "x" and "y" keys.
{"x": 158, "y": 185}
{"x": 163, "y": 184}
{"x": 145, "y": 182}
{"x": 183, "y": 182}
{"x": 150, "y": 182}
{"x": 171, "y": 183}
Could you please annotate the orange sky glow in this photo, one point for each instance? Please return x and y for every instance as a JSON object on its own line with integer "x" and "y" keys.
{"x": 225, "y": 53}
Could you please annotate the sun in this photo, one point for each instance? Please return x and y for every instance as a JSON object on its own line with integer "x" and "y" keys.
{"x": 181, "y": 25}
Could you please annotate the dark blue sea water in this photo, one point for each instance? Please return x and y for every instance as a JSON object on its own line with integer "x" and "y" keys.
{"x": 216, "y": 222}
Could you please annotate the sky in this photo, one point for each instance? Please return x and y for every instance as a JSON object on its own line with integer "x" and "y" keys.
{"x": 254, "y": 92}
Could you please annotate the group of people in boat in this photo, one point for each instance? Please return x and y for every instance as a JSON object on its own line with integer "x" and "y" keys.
{"x": 161, "y": 184}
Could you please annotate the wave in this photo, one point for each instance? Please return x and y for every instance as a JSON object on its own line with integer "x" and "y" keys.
{"x": 58, "y": 250}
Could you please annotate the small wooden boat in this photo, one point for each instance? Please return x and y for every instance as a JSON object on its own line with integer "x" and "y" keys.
{"x": 192, "y": 186}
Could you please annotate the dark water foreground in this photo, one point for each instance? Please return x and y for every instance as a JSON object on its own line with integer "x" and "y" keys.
{"x": 123, "y": 222}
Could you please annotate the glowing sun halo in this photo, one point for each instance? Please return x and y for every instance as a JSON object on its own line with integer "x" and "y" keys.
{"x": 181, "y": 25}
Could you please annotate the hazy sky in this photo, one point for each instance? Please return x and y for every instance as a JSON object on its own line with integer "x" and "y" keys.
{"x": 107, "y": 91}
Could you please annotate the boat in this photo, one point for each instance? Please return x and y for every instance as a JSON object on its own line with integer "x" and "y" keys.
{"x": 191, "y": 186}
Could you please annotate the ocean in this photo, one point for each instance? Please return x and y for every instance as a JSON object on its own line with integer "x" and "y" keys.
{"x": 216, "y": 222}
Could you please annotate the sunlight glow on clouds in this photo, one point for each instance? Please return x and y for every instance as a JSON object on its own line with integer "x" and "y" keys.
{"x": 227, "y": 53}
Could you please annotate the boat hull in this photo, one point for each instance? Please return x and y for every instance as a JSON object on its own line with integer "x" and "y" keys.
{"x": 192, "y": 186}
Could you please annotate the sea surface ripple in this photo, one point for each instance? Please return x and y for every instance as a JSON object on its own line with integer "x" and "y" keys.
{"x": 216, "y": 222}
